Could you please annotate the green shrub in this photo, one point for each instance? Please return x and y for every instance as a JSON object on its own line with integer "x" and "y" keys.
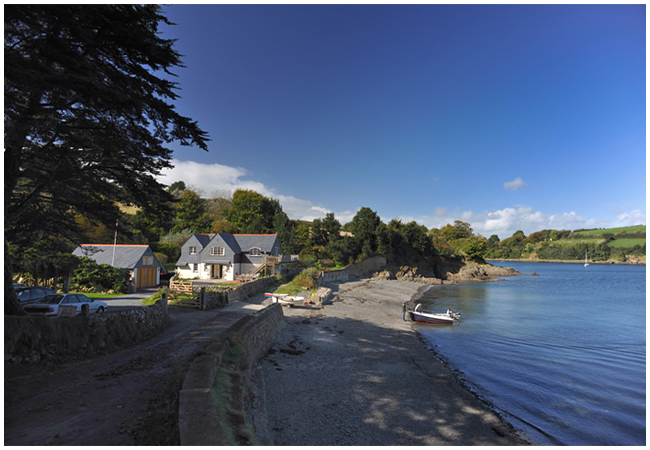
{"x": 89, "y": 276}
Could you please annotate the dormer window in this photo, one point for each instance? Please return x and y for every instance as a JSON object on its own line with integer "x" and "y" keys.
{"x": 217, "y": 251}
{"x": 192, "y": 250}
{"x": 255, "y": 252}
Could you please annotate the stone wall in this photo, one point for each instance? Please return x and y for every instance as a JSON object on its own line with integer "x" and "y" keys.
{"x": 242, "y": 292}
{"x": 31, "y": 339}
{"x": 360, "y": 270}
{"x": 198, "y": 421}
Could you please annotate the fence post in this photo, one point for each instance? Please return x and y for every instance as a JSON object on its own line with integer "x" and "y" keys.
{"x": 85, "y": 310}
{"x": 164, "y": 300}
{"x": 202, "y": 299}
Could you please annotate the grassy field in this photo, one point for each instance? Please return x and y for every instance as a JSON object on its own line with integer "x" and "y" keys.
{"x": 626, "y": 243}
{"x": 629, "y": 230}
{"x": 594, "y": 237}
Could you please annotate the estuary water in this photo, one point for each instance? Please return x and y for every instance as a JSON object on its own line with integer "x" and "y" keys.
{"x": 562, "y": 355}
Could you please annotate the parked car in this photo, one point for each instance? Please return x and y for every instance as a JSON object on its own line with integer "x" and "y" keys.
{"x": 49, "y": 305}
{"x": 31, "y": 294}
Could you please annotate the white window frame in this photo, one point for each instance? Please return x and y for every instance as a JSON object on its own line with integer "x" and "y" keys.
{"x": 192, "y": 250}
{"x": 255, "y": 251}
{"x": 195, "y": 268}
{"x": 217, "y": 251}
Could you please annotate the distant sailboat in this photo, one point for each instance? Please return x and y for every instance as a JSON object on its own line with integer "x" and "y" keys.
{"x": 586, "y": 263}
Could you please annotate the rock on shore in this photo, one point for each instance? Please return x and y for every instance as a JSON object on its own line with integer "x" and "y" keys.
{"x": 355, "y": 373}
{"x": 444, "y": 271}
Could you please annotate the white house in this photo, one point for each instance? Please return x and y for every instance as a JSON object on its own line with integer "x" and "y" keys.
{"x": 225, "y": 256}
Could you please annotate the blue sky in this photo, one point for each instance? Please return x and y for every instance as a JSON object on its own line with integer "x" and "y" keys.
{"x": 508, "y": 117}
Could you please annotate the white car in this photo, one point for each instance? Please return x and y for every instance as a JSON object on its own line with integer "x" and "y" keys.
{"x": 49, "y": 305}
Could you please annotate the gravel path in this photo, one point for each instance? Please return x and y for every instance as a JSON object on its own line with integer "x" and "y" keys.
{"x": 104, "y": 400}
{"x": 354, "y": 373}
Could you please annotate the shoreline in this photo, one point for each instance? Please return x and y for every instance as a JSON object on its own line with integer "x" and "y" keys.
{"x": 355, "y": 373}
{"x": 567, "y": 261}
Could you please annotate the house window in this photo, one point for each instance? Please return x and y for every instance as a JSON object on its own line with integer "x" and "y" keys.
{"x": 217, "y": 251}
{"x": 256, "y": 252}
{"x": 147, "y": 260}
{"x": 206, "y": 268}
{"x": 196, "y": 268}
{"x": 192, "y": 250}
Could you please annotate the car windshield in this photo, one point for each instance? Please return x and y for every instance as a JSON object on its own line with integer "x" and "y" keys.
{"x": 52, "y": 299}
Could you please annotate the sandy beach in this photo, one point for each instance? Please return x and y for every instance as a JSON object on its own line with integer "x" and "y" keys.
{"x": 355, "y": 373}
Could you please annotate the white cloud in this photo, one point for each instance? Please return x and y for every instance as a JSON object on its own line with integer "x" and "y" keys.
{"x": 515, "y": 184}
{"x": 209, "y": 178}
{"x": 503, "y": 223}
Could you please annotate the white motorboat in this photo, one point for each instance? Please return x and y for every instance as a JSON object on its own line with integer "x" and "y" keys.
{"x": 419, "y": 316}
{"x": 284, "y": 298}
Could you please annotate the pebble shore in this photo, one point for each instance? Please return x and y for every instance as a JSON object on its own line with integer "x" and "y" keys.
{"x": 354, "y": 373}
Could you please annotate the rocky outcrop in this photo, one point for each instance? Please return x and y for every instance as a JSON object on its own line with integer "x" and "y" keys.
{"x": 442, "y": 271}
{"x": 405, "y": 273}
{"x": 460, "y": 270}
{"x": 496, "y": 271}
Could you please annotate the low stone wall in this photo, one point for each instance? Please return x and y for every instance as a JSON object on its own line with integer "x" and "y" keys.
{"x": 242, "y": 292}
{"x": 198, "y": 421}
{"x": 359, "y": 270}
{"x": 214, "y": 299}
{"x": 31, "y": 339}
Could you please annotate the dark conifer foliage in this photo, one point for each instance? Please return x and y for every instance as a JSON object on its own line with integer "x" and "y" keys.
{"x": 88, "y": 113}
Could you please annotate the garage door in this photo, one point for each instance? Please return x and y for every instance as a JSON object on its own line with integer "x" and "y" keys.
{"x": 146, "y": 277}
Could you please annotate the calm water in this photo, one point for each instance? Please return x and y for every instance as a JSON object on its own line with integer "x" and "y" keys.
{"x": 562, "y": 355}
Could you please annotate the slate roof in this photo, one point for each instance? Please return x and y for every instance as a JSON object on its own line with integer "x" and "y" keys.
{"x": 262, "y": 241}
{"x": 126, "y": 256}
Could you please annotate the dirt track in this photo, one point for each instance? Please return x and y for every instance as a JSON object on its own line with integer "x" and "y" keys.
{"x": 103, "y": 400}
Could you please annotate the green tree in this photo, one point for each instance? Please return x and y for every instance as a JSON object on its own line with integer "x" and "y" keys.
{"x": 363, "y": 226}
{"x": 87, "y": 115}
{"x": 286, "y": 233}
{"x": 252, "y": 212}
{"x": 332, "y": 227}
{"x": 493, "y": 241}
{"x": 190, "y": 213}
{"x": 459, "y": 230}
{"x": 416, "y": 236}
{"x": 317, "y": 234}
{"x": 476, "y": 247}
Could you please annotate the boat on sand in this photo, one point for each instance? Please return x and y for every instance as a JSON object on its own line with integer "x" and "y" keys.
{"x": 284, "y": 298}
{"x": 418, "y": 315}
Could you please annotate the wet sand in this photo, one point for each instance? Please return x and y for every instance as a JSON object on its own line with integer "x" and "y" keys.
{"x": 355, "y": 373}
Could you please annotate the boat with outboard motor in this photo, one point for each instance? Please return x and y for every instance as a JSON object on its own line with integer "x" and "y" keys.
{"x": 418, "y": 315}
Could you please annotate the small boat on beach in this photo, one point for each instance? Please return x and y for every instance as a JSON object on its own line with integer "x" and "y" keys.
{"x": 284, "y": 298}
{"x": 418, "y": 316}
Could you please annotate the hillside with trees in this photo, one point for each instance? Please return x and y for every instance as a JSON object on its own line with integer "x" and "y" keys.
{"x": 613, "y": 245}
{"x": 187, "y": 210}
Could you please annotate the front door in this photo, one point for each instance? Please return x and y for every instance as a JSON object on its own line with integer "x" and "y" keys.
{"x": 216, "y": 271}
